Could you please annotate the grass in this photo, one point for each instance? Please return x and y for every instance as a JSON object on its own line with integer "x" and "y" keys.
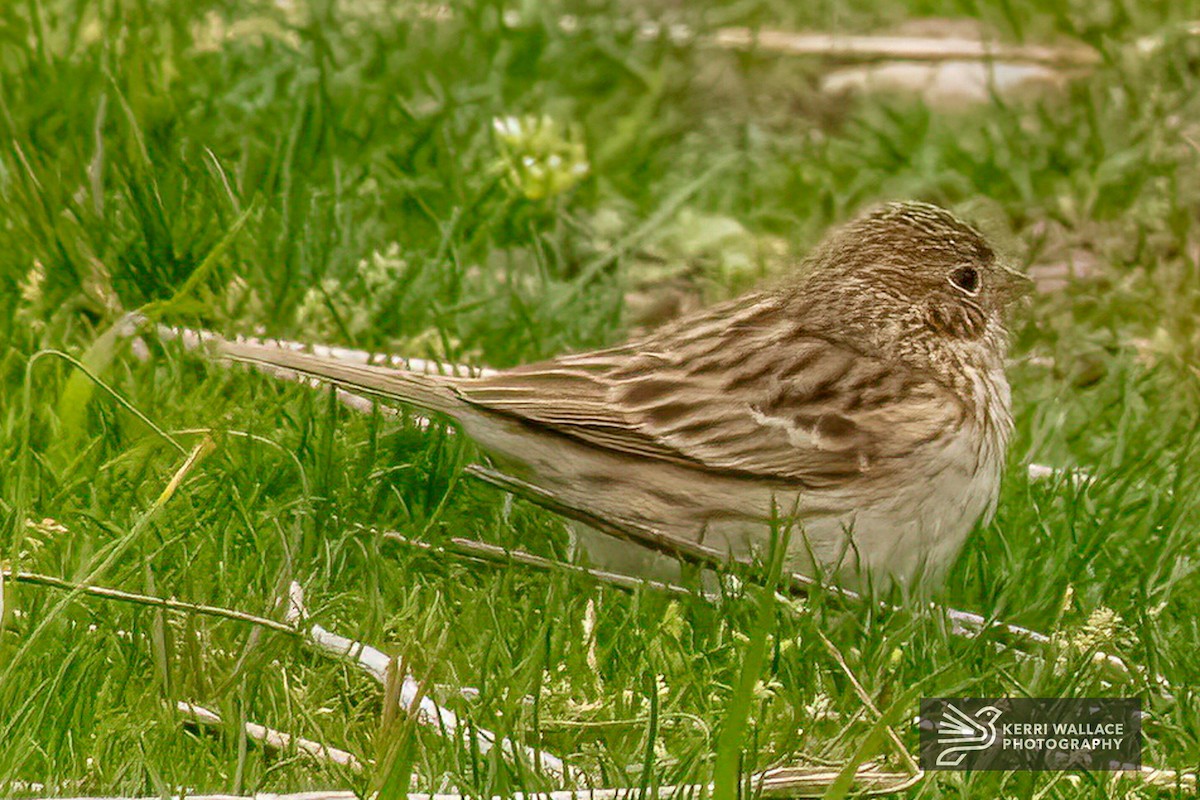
{"x": 330, "y": 171}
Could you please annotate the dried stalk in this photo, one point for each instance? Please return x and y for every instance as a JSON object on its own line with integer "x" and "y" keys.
{"x": 901, "y": 48}
{"x": 375, "y": 663}
{"x": 786, "y": 782}
{"x": 273, "y": 739}
{"x": 147, "y": 600}
{"x": 867, "y": 47}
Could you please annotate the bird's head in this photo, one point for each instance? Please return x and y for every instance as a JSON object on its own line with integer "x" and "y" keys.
{"x": 914, "y": 267}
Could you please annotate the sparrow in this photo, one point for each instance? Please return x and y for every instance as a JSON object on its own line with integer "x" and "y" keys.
{"x": 861, "y": 402}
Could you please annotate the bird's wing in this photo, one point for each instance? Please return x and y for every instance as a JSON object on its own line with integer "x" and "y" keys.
{"x": 738, "y": 391}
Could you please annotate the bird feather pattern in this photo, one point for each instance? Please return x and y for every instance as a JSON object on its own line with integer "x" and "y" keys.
{"x": 820, "y": 415}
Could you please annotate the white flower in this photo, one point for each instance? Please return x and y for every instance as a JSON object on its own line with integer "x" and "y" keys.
{"x": 540, "y": 157}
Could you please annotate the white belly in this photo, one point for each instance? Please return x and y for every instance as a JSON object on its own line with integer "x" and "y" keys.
{"x": 911, "y": 535}
{"x": 868, "y": 532}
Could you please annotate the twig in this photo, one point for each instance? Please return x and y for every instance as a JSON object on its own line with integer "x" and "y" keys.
{"x": 273, "y": 739}
{"x": 785, "y": 782}
{"x": 494, "y": 554}
{"x": 375, "y": 663}
{"x": 905, "y": 48}
{"x": 147, "y": 600}
{"x": 864, "y": 47}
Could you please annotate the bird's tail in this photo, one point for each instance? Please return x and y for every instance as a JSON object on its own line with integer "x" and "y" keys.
{"x": 428, "y": 392}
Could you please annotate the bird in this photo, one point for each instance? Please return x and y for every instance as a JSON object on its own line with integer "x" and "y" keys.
{"x": 860, "y": 401}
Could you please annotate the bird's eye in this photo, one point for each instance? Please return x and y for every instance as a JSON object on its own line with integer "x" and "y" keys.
{"x": 966, "y": 278}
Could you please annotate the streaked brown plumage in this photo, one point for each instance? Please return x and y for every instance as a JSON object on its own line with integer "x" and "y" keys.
{"x": 866, "y": 396}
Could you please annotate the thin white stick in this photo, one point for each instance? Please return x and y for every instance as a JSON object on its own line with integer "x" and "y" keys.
{"x": 867, "y": 47}
{"x": 903, "y": 48}
{"x": 142, "y": 599}
{"x": 375, "y": 663}
{"x": 785, "y": 782}
{"x": 273, "y": 739}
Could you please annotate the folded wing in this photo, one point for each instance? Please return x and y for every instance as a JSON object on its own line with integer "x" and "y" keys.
{"x": 741, "y": 391}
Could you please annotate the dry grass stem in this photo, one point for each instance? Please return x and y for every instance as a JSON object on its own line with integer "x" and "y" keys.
{"x": 428, "y": 712}
{"x": 273, "y": 739}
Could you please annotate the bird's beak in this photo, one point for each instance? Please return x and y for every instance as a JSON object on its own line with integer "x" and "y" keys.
{"x": 1013, "y": 285}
